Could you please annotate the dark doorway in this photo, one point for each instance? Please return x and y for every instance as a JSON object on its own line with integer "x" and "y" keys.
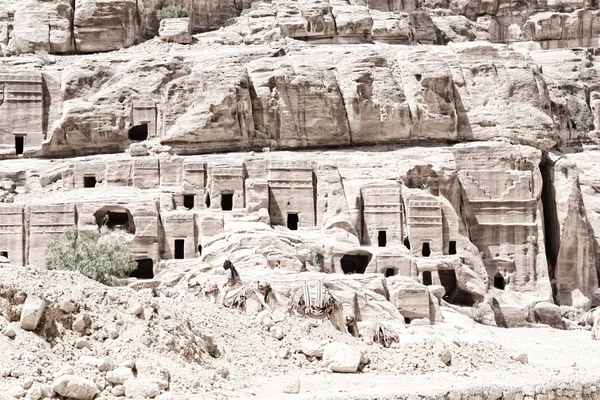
{"x": 4, "y": 254}
{"x": 207, "y": 201}
{"x": 292, "y": 222}
{"x": 114, "y": 218}
{"x": 499, "y": 282}
{"x": 89, "y": 181}
{"x": 19, "y": 144}
{"x": 452, "y": 247}
{"x": 138, "y": 132}
{"x": 145, "y": 269}
{"x": 179, "y": 248}
{"x": 448, "y": 280}
{"x": 382, "y": 238}
{"x": 407, "y": 243}
{"x": 426, "y": 251}
{"x": 427, "y": 281}
{"x": 188, "y": 201}
{"x": 390, "y": 272}
{"x": 354, "y": 264}
{"x": 407, "y": 320}
{"x": 227, "y": 202}
{"x": 199, "y": 249}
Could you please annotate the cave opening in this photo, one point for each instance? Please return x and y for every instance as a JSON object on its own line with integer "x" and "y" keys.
{"x": 89, "y": 181}
{"x": 499, "y": 282}
{"x": 19, "y": 144}
{"x": 179, "y": 249}
{"x": 452, "y": 247}
{"x": 448, "y": 280}
{"x": 188, "y": 201}
{"x": 138, "y": 132}
{"x": 426, "y": 251}
{"x": 551, "y": 224}
{"x": 355, "y": 263}
{"x": 144, "y": 270}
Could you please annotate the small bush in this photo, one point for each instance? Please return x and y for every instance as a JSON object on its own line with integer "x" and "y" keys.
{"x": 254, "y": 6}
{"x": 19, "y": 45}
{"x": 101, "y": 258}
{"x": 44, "y": 57}
{"x": 171, "y": 12}
{"x": 477, "y": 314}
{"x": 580, "y": 114}
{"x": 316, "y": 254}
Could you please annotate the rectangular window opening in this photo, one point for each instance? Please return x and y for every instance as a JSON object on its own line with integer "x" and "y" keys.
{"x": 426, "y": 251}
{"x": 382, "y": 238}
{"x": 452, "y": 247}
{"x": 292, "y": 221}
{"x": 89, "y": 181}
{"x": 226, "y": 201}
{"x": 427, "y": 281}
{"x": 19, "y": 144}
{"x": 179, "y": 249}
{"x": 188, "y": 201}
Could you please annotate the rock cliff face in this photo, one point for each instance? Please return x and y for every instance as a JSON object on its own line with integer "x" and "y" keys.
{"x": 438, "y": 147}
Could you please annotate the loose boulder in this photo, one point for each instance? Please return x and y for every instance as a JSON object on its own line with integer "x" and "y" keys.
{"x": 549, "y": 314}
{"x": 341, "y": 357}
{"x": 75, "y": 387}
{"x": 141, "y": 388}
{"x": 33, "y": 309}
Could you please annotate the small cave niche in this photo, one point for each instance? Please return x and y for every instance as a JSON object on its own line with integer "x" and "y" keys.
{"x": 390, "y": 272}
{"x": 499, "y": 282}
{"x": 188, "y": 201}
{"x": 425, "y": 251}
{"x": 355, "y": 263}
{"x": 207, "y": 200}
{"x": 145, "y": 269}
{"x": 89, "y": 181}
{"x": 292, "y": 221}
{"x": 407, "y": 243}
{"x": 407, "y": 320}
{"x": 427, "y": 280}
{"x": 448, "y": 280}
{"x": 226, "y": 201}
{"x": 115, "y": 218}
{"x": 381, "y": 238}
{"x": 199, "y": 250}
{"x": 19, "y": 144}
{"x": 4, "y": 254}
{"x": 179, "y": 249}
{"x": 452, "y": 247}
{"x": 138, "y": 132}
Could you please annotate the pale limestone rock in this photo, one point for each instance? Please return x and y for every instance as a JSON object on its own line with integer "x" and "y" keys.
{"x": 119, "y": 375}
{"x": 310, "y": 348}
{"x": 175, "y": 30}
{"x": 75, "y": 387}
{"x": 32, "y": 312}
{"x": 293, "y": 387}
{"x": 140, "y": 387}
{"x": 341, "y": 357}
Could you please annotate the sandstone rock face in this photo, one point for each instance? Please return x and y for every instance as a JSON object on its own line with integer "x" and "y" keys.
{"x": 549, "y": 314}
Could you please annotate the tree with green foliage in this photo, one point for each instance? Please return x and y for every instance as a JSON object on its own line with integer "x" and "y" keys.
{"x": 101, "y": 258}
{"x": 171, "y": 12}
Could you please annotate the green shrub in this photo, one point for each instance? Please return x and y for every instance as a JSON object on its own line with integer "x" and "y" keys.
{"x": 44, "y": 57}
{"x": 477, "y": 314}
{"x": 101, "y": 258}
{"x": 171, "y": 12}
{"x": 316, "y": 254}
{"x": 580, "y": 114}
{"x": 19, "y": 45}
